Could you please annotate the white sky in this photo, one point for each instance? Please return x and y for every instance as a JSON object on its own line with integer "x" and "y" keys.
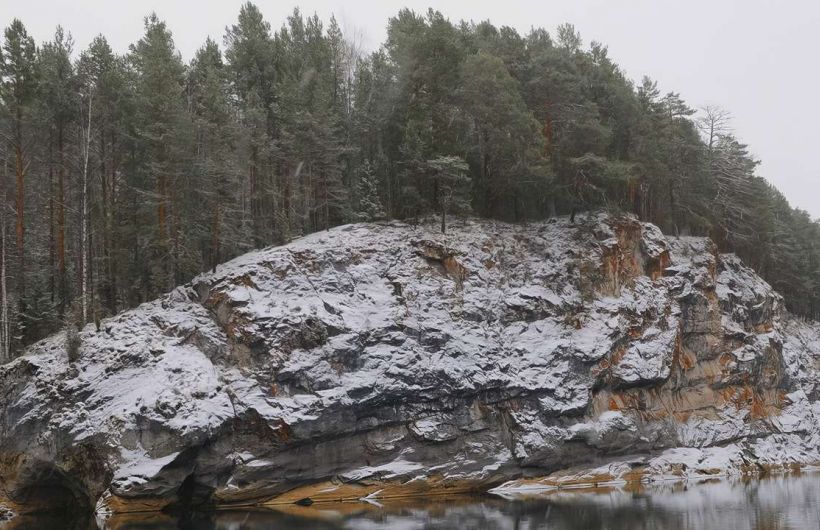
{"x": 755, "y": 58}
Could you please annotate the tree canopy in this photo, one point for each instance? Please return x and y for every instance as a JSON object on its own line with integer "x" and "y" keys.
{"x": 124, "y": 175}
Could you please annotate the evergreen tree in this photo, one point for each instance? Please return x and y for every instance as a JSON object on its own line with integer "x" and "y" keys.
{"x": 112, "y": 112}
{"x": 162, "y": 141}
{"x": 18, "y": 74}
{"x": 124, "y": 176}
{"x": 58, "y": 103}
{"x": 504, "y": 135}
{"x": 251, "y": 68}
{"x": 367, "y": 194}
{"x": 452, "y": 186}
{"x": 215, "y": 179}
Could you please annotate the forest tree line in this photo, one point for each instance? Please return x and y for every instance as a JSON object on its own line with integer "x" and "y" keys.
{"x": 125, "y": 175}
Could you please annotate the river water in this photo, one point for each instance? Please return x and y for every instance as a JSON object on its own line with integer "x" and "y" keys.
{"x": 778, "y": 503}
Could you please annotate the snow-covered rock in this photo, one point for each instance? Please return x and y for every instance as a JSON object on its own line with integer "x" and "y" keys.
{"x": 386, "y": 359}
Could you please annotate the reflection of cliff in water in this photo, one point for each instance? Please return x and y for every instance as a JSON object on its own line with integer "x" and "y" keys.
{"x": 774, "y": 503}
{"x": 777, "y": 503}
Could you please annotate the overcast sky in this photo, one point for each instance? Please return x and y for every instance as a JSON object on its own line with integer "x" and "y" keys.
{"x": 755, "y": 58}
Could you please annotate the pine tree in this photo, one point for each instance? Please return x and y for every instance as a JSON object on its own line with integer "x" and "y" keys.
{"x": 452, "y": 185}
{"x": 19, "y": 85}
{"x": 124, "y": 176}
{"x": 251, "y": 63}
{"x": 506, "y": 142}
{"x": 106, "y": 78}
{"x": 215, "y": 181}
{"x": 367, "y": 194}
{"x": 163, "y": 136}
{"x": 58, "y": 104}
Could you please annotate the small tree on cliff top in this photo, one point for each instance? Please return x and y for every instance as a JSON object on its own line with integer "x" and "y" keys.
{"x": 370, "y": 206}
{"x": 452, "y": 186}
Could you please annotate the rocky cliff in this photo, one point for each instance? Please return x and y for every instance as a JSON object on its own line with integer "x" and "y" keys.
{"x": 381, "y": 360}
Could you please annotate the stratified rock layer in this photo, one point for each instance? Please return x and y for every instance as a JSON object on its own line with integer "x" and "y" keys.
{"x": 381, "y": 360}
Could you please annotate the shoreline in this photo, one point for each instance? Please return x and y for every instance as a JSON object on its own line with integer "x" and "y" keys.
{"x": 387, "y": 496}
{"x": 325, "y": 494}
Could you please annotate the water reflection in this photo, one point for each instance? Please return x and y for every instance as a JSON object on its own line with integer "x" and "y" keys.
{"x": 773, "y": 504}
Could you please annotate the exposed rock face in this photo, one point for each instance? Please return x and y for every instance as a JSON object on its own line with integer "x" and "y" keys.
{"x": 387, "y": 360}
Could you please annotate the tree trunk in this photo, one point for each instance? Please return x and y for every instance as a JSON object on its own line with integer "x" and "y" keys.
{"x": 215, "y": 240}
{"x": 106, "y": 204}
{"x": 20, "y": 227}
{"x": 5, "y": 327}
{"x": 52, "y": 254}
{"x": 60, "y": 214}
{"x": 84, "y": 218}
{"x": 20, "y": 170}
{"x": 176, "y": 272}
{"x": 254, "y": 190}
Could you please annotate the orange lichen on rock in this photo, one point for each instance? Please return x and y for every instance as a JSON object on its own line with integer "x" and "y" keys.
{"x": 117, "y": 504}
{"x": 617, "y": 356}
{"x": 684, "y": 403}
{"x": 655, "y": 267}
{"x": 626, "y": 258}
{"x": 244, "y": 280}
{"x": 764, "y": 327}
{"x": 620, "y": 263}
{"x": 445, "y": 257}
{"x": 455, "y": 270}
{"x": 758, "y": 408}
{"x": 282, "y": 430}
{"x": 686, "y": 360}
{"x": 760, "y": 403}
{"x": 682, "y": 358}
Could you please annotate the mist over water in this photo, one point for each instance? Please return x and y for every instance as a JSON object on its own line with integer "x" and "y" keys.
{"x": 778, "y": 503}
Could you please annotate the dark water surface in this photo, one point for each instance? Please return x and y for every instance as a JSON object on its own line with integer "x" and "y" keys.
{"x": 777, "y": 503}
